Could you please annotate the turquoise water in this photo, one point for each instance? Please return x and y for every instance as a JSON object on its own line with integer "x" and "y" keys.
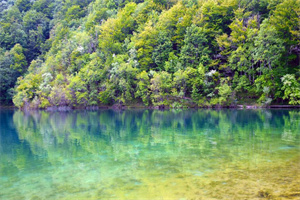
{"x": 150, "y": 154}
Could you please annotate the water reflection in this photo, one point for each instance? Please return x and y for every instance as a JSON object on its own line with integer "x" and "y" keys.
{"x": 141, "y": 153}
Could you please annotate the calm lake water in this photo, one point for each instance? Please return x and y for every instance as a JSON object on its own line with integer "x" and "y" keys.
{"x": 150, "y": 154}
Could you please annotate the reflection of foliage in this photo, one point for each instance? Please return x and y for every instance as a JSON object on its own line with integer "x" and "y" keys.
{"x": 51, "y": 132}
{"x": 135, "y": 146}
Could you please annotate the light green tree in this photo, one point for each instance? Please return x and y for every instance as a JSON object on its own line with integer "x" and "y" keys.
{"x": 291, "y": 88}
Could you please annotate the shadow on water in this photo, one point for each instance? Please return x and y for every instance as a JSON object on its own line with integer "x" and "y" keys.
{"x": 150, "y": 154}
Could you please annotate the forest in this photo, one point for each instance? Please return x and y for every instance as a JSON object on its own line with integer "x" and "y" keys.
{"x": 173, "y": 53}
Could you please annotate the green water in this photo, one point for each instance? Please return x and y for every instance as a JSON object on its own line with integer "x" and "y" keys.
{"x": 150, "y": 154}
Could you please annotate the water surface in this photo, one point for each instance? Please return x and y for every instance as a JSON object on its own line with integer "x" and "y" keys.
{"x": 150, "y": 154}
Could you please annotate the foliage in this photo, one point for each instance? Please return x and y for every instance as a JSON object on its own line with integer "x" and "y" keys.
{"x": 161, "y": 85}
{"x": 143, "y": 87}
{"x": 99, "y": 52}
{"x": 291, "y": 89}
{"x": 224, "y": 93}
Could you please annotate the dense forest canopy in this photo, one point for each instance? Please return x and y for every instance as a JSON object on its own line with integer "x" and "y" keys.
{"x": 82, "y": 53}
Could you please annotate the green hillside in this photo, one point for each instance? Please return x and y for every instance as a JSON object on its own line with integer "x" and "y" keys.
{"x": 81, "y": 53}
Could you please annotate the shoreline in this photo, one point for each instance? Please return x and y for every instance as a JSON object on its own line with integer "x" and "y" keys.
{"x": 124, "y": 107}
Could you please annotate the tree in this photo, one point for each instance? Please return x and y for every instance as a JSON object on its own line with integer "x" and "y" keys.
{"x": 161, "y": 85}
{"x": 44, "y": 6}
{"x": 74, "y": 12}
{"x": 285, "y": 18}
{"x": 7, "y": 76}
{"x": 161, "y": 52}
{"x": 11, "y": 29}
{"x": 26, "y": 89}
{"x": 19, "y": 60}
{"x": 269, "y": 48}
{"x": 224, "y": 92}
{"x": 216, "y": 17}
{"x": 23, "y": 5}
{"x": 291, "y": 88}
{"x": 195, "y": 49}
{"x": 145, "y": 43}
{"x": 114, "y": 31}
{"x": 78, "y": 91}
{"x": 174, "y": 22}
{"x": 143, "y": 87}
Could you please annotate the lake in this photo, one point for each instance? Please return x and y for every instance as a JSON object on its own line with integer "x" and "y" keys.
{"x": 150, "y": 154}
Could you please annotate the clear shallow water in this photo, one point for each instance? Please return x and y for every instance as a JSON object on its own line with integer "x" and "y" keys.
{"x": 150, "y": 154}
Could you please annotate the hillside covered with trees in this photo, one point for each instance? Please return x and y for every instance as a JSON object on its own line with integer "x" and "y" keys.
{"x": 81, "y": 53}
